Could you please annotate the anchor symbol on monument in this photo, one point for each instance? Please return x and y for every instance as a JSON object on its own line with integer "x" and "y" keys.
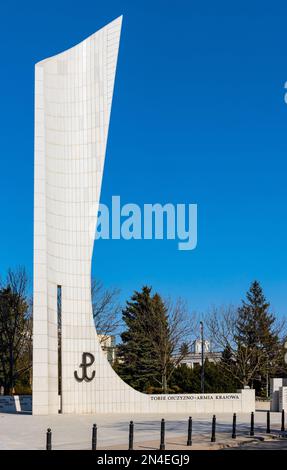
{"x": 84, "y": 365}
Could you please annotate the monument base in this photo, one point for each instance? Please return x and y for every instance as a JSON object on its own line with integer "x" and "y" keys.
{"x": 243, "y": 401}
{"x": 278, "y": 392}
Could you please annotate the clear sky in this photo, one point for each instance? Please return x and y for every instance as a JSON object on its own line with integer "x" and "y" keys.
{"x": 198, "y": 117}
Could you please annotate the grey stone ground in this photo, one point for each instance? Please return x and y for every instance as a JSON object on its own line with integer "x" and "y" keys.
{"x": 263, "y": 445}
{"x": 23, "y": 431}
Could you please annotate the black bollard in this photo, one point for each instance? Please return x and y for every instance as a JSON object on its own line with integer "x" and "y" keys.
{"x": 283, "y": 421}
{"x": 268, "y": 423}
{"x": 189, "y": 432}
{"x": 252, "y": 424}
{"x": 49, "y": 439}
{"x": 162, "y": 435}
{"x": 234, "y": 426}
{"x": 213, "y": 439}
{"x": 131, "y": 436}
{"x": 94, "y": 437}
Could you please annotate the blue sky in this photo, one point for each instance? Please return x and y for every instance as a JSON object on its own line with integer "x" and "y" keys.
{"x": 198, "y": 117}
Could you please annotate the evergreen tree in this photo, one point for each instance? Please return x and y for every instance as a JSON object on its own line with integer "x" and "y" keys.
{"x": 15, "y": 331}
{"x": 188, "y": 379}
{"x": 228, "y": 365}
{"x": 144, "y": 354}
{"x": 215, "y": 381}
{"x": 161, "y": 344}
{"x": 153, "y": 343}
{"x": 258, "y": 345}
{"x": 135, "y": 364}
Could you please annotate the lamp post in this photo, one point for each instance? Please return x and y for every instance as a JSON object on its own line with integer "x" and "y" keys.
{"x": 285, "y": 355}
{"x": 202, "y": 357}
{"x": 267, "y": 377}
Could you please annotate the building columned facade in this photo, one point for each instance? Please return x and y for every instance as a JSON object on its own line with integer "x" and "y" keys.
{"x": 194, "y": 358}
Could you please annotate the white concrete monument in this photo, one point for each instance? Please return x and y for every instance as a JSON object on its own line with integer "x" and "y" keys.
{"x": 73, "y": 96}
{"x": 282, "y": 398}
{"x": 278, "y": 393}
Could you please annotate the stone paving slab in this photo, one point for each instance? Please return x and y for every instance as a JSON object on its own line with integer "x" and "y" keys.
{"x": 22, "y": 431}
{"x": 200, "y": 442}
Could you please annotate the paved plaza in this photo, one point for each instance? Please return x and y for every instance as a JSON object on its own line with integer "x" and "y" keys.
{"x": 24, "y": 431}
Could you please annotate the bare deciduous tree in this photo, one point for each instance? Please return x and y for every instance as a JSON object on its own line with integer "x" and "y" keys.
{"x": 221, "y": 324}
{"x": 106, "y": 310}
{"x": 243, "y": 362}
{"x": 15, "y": 328}
{"x": 174, "y": 346}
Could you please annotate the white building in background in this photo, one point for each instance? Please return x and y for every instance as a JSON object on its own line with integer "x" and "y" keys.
{"x": 197, "y": 345}
{"x": 108, "y": 345}
{"x": 194, "y": 358}
{"x": 278, "y": 393}
{"x": 73, "y": 96}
